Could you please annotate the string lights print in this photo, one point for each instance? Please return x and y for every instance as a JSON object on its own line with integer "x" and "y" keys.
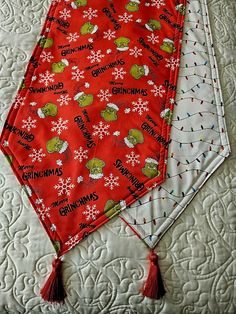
{"x": 198, "y": 144}
{"x": 91, "y": 87}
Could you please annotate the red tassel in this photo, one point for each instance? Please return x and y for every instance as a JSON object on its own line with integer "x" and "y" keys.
{"x": 53, "y": 290}
{"x": 153, "y": 287}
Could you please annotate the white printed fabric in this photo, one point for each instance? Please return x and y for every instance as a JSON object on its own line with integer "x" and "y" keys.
{"x": 199, "y": 141}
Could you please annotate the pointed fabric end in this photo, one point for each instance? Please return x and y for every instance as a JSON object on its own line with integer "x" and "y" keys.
{"x": 153, "y": 287}
{"x": 53, "y": 290}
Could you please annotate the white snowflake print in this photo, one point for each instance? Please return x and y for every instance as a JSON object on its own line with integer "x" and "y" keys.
{"x": 116, "y": 133}
{"x": 64, "y": 99}
{"x": 172, "y": 63}
{"x": 43, "y": 212}
{"x": 46, "y": 56}
{"x": 46, "y": 78}
{"x": 72, "y": 37}
{"x": 111, "y": 181}
{"x": 91, "y": 212}
{"x": 119, "y": 73}
{"x": 157, "y": 3}
{"x": 153, "y": 38}
{"x": 77, "y": 74}
{"x": 72, "y": 241}
{"x": 132, "y": 159}
{"x": 64, "y": 186}
{"x": 140, "y": 106}
{"x": 81, "y": 154}
{"x": 59, "y": 125}
{"x": 19, "y": 101}
{"x": 101, "y": 130}
{"x": 90, "y": 13}
{"x": 158, "y": 90}
{"x": 37, "y": 155}
{"x": 109, "y": 34}
{"x": 80, "y": 179}
{"x": 29, "y": 124}
{"x": 65, "y": 14}
{"x": 59, "y": 162}
{"x": 127, "y": 110}
{"x": 126, "y": 18}
{"x": 172, "y": 101}
{"x": 136, "y": 52}
{"x": 95, "y": 56}
{"x": 104, "y": 95}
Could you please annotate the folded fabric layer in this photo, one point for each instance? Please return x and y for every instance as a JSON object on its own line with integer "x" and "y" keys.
{"x": 199, "y": 141}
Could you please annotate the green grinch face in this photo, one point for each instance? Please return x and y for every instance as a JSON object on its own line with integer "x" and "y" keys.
{"x": 79, "y": 3}
{"x": 132, "y": 6}
{"x": 9, "y": 158}
{"x": 168, "y": 46}
{"x": 95, "y": 167}
{"x": 47, "y": 110}
{"x": 138, "y": 71}
{"x": 111, "y": 208}
{"x": 134, "y": 137}
{"x": 122, "y": 43}
{"x": 57, "y": 246}
{"x": 150, "y": 170}
{"x": 46, "y": 42}
{"x": 153, "y": 25}
{"x": 56, "y": 145}
{"x": 109, "y": 114}
{"x": 58, "y": 67}
{"x": 85, "y": 100}
{"x": 88, "y": 28}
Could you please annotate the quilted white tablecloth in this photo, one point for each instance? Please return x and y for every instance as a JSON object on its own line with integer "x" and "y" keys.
{"x": 105, "y": 272}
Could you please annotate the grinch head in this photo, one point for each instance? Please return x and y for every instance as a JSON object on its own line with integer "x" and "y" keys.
{"x": 56, "y": 145}
{"x": 88, "y": 28}
{"x": 150, "y": 169}
{"x": 134, "y": 137}
{"x": 47, "y": 110}
{"x": 153, "y": 25}
{"x": 180, "y": 8}
{"x": 46, "y": 42}
{"x": 95, "y": 167}
{"x": 122, "y": 43}
{"x": 83, "y": 99}
{"x": 9, "y": 158}
{"x": 57, "y": 245}
{"x": 138, "y": 71}
{"x": 167, "y": 115}
{"x": 168, "y": 46}
{"x": 111, "y": 207}
{"x": 110, "y": 113}
{"x": 79, "y": 3}
{"x": 132, "y": 6}
{"x": 59, "y": 67}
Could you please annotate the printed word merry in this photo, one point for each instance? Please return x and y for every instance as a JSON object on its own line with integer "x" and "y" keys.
{"x": 81, "y": 201}
{"x": 129, "y": 91}
{"x": 104, "y": 68}
{"x": 79, "y": 120}
{"x": 28, "y": 137}
{"x": 43, "y": 173}
{"x": 125, "y": 172}
{"x": 66, "y": 52}
{"x": 148, "y": 128}
{"x": 112, "y": 19}
{"x": 34, "y": 90}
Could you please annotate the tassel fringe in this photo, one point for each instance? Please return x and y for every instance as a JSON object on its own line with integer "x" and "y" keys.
{"x": 53, "y": 290}
{"x": 153, "y": 287}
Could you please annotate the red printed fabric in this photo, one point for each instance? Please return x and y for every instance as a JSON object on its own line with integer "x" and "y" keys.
{"x": 88, "y": 131}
